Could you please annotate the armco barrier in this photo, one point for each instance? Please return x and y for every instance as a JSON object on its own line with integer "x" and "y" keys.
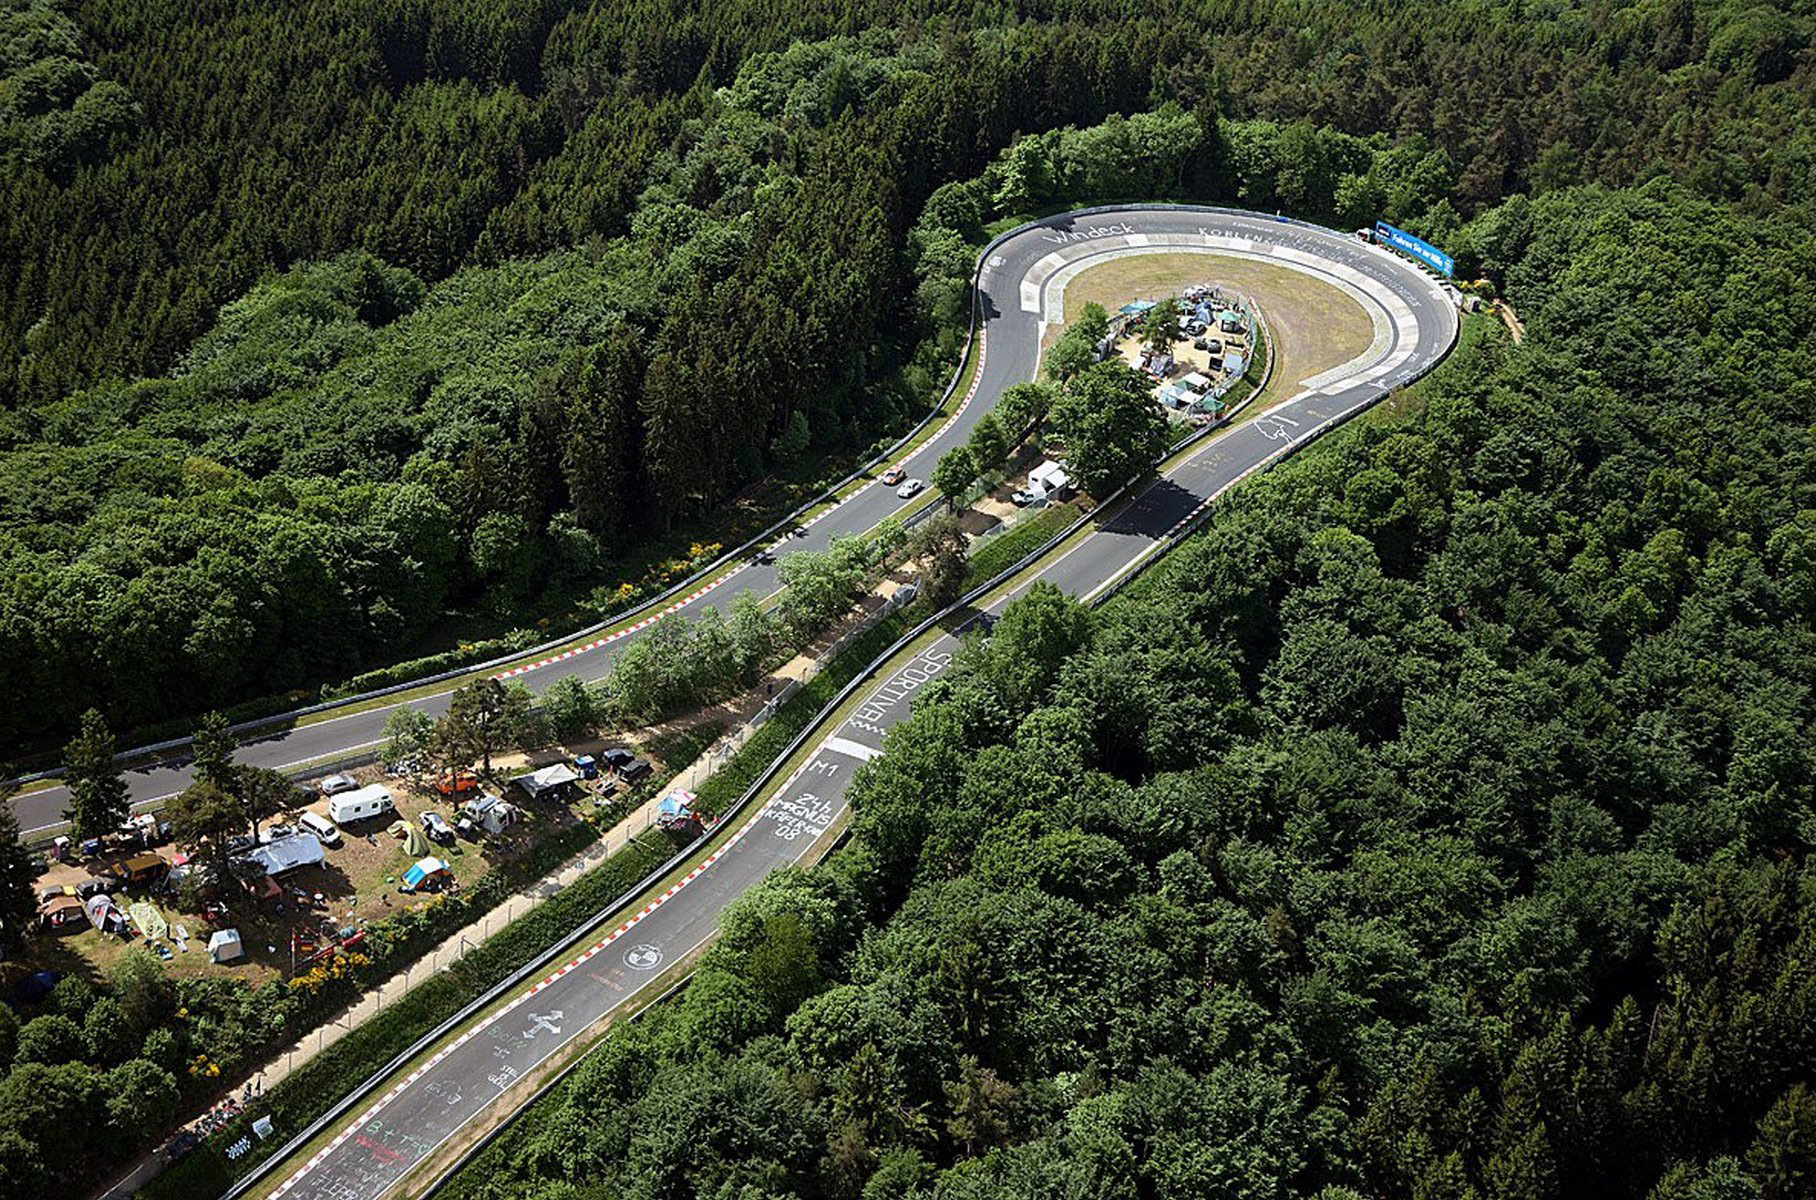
{"x": 724, "y": 562}
{"x": 532, "y": 968}
{"x": 1185, "y": 530}
{"x": 757, "y": 786}
{"x": 874, "y": 668}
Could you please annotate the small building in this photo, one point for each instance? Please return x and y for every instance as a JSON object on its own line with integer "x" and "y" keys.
{"x": 554, "y": 782}
{"x": 1232, "y": 322}
{"x": 224, "y": 945}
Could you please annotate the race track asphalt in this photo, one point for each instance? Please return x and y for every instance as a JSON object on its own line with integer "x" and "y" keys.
{"x": 1010, "y": 347}
{"x": 439, "y": 1097}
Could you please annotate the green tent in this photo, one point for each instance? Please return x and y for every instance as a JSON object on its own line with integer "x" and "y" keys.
{"x": 415, "y": 844}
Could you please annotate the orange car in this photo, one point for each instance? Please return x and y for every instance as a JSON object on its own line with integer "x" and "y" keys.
{"x": 454, "y": 785}
{"x": 893, "y": 476}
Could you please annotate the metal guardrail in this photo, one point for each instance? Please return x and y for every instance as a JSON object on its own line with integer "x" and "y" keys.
{"x": 876, "y": 666}
{"x": 366, "y": 1086}
{"x": 1171, "y": 542}
{"x": 717, "y": 566}
{"x": 541, "y": 962}
{"x": 767, "y": 776}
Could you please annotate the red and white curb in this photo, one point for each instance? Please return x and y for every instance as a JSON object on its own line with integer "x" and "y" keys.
{"x": 353, "y": 1130}
{"x": 524, "y": 669}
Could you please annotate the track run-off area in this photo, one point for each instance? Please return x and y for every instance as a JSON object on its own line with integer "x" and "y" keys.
{"x": 488, "y": 1069}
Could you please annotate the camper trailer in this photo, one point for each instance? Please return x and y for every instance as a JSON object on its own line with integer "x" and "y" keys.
{"x": 488, "y": 812}
{"x": 360, "y": 805}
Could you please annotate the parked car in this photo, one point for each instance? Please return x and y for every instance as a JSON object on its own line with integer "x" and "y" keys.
{"x": 334, "y": 785}
{"x": 327, "y": 831}
{"x": 910, "y": 489}
{"x": 1022, "y": 498}
{"x": 893, "y": 476}
{"x": 437, "y": 827}
{"x": 455, "y": 783}
{"x": 140, "y": 868}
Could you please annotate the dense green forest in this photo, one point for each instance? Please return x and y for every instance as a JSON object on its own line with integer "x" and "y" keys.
{"x": 1433, "y": 824}
{"x": 321, "y": 322}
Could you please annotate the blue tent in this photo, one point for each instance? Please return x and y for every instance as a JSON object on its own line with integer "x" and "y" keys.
{"x": 423, "y": 873}
{"x": 34, "y": 988}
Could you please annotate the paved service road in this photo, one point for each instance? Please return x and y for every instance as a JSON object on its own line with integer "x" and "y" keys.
{"x": 1415, "y": 326}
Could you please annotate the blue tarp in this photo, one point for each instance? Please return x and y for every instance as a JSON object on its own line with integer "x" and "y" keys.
{"x": 675, "y": 809}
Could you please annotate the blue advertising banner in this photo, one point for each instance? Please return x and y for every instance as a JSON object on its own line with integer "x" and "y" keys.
{"x": 1406, "y": 243}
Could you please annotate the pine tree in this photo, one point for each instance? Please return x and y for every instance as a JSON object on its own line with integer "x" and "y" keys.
{"x": 18, "y": 871}
{"x": 97, "y": 790}
{"x": 212, "y": 749}
{"x": 1783, "y": 1155}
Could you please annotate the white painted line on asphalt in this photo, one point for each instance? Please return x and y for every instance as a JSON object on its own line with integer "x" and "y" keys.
{"x": 846, "y": 746}
{"x": 838, "y": 744}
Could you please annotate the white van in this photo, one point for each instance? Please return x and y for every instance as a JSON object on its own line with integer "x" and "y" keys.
{"x": 358, "y": 805}
{"x": 321, "y": 827}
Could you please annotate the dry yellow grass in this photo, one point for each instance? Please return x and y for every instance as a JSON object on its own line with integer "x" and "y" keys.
{"x": 1315, "y": 326}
